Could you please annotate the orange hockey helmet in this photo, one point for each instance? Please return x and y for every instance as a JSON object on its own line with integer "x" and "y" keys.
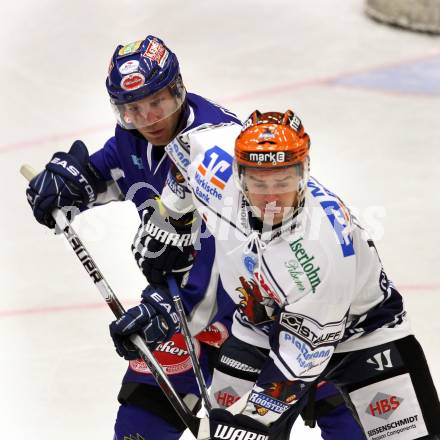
{"x": 272, "y": 139}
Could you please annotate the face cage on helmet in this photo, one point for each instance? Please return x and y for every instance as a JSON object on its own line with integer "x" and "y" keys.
{"x": 149, "y": 110}
{"x": 238, "y": 173}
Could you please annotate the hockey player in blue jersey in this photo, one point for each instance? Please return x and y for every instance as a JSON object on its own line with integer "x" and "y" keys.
{"x": 152, "y": 107}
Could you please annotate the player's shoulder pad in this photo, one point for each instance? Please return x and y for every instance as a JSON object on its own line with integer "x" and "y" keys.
{"x": 219, "y": 136}
{"x": 184, "y": 137}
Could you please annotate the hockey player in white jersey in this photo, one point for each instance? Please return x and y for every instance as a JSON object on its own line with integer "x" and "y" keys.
{"x": 308, "y": 284}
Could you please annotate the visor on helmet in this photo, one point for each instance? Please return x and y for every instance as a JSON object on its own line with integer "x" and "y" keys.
{"x": 269, "y": 180}
{"x": 151, "y": 109}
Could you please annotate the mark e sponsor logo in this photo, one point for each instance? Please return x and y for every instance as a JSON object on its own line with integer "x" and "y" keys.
{"x": 310, "y": 268}
{"x": 213, "y": 174}
{"x": 312, "y": 331}
{"x": 383, "y": 405}
{"x": 272, "y": 157}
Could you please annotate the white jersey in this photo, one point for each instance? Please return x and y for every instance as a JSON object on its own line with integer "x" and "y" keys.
{"x": 318, "y": 279}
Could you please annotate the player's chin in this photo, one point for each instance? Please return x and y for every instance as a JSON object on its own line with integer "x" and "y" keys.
{"x": 159, "y": 136}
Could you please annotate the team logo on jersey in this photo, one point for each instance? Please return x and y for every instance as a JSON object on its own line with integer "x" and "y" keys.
{"x": 383, "y": 405}
{"x": 276, "y": 397}
{"x": 252, "y": 302}
{"x": 265, "y": 286}
{"x": 249, "y": 262}
{"x": 172, "y": 355}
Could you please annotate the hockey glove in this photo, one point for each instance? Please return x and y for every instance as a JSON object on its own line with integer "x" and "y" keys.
{"x": 68, "y": 179}
{"x": 155, "y": 319}
{"x": 163, "y": 246}
{"x": 222, "y": 424}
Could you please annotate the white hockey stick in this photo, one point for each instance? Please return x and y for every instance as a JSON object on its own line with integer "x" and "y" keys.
{"x": 188, "y": 418}
{"x": 174, "y": 290}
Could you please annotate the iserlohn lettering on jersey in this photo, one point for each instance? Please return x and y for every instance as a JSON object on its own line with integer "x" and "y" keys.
{"x": 311, "y": 271}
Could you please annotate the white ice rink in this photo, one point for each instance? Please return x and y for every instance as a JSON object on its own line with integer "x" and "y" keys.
{"x": 368, "y": 94}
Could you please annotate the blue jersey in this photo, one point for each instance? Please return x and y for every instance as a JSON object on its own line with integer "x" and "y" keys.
{"x": 140, "y": 168}
{"x": 136, "y": 170}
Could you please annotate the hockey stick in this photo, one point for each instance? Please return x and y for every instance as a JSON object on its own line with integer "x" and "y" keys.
{"x": 188, "y": 418}
{"x": 174, "y": 289}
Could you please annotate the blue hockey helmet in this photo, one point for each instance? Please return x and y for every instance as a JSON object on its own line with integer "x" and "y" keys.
{"x": 144, "y": 83}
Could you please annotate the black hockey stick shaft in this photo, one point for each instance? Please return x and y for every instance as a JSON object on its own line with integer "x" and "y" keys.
{"x": 188, "y": 418}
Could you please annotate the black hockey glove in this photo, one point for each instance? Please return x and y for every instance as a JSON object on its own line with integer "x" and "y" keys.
{"x": 162, "y": 246}
{"x": 68, "y": 179}
{"x": 222, "y": 424}
{"x": 155, "y": 319}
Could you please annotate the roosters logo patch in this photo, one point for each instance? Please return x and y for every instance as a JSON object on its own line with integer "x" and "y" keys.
{"x": 276, "y": 398}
